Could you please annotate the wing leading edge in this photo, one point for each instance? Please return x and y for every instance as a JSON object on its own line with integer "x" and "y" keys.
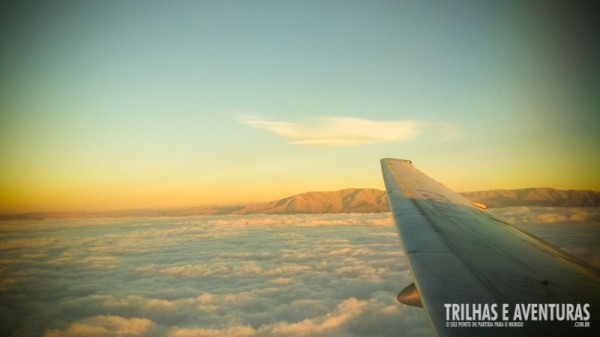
{"x": 460, "y": 254}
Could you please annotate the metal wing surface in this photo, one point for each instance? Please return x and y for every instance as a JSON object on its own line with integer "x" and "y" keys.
{"x": 458, "y": 253}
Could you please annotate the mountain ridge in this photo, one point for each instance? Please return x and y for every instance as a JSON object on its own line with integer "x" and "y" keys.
{"x": 537, "y": 196}
{"x": 350, "y": 200}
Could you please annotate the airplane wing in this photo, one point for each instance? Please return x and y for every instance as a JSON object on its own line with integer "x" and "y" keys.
{"x": 464, "y": 260}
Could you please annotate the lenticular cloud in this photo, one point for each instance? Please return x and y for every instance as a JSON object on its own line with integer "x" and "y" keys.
{"x": 345, "y": 131}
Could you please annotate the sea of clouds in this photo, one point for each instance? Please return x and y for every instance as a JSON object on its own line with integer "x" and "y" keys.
{"x": 284, "y": 275}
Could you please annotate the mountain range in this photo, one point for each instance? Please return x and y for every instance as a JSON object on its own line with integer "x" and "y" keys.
{"x": 536, "y": 197}
{"x": 352, "y": 200}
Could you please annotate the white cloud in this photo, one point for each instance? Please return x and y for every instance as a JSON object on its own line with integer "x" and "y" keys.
{"x": 548, "y": 215}
{"x": 238, "y": 331}
{"x": 346, "y": 310}
{"x": 241, "y": 275}
{"x": 282, "y": 281}
{"x": 346, "y": 131}
{"x": 218, "y": 269}
{"x": 259, "y": 276}
{"x": 325, "y": 324}
{"x": 288, "y": 269}
{"x": 28, "y": 243}
{"x": 106, "y": 326}
{"x": 574, "y": 230}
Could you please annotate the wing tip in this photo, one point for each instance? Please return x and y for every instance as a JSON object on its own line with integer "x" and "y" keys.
{"x": 396, "y": 160}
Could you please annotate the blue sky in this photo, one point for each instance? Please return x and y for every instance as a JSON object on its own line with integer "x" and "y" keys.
{"x": 109, "y": 104}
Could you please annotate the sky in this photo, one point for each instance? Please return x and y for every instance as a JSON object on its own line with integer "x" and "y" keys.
{"x": 247, "y": 276}
{"x": 135, "y": 104}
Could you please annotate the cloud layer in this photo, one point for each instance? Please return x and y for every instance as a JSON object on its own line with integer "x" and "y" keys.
{"x": 255, "y": 276}
{"x": 345, "y": 131}
{"x": 300, "y": 275}
{"x": 574, "y": 230}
